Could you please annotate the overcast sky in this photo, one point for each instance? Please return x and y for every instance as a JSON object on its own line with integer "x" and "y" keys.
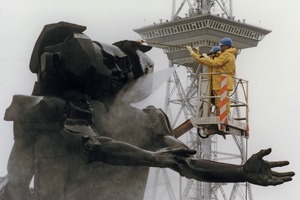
{"x": 273, "y": 68}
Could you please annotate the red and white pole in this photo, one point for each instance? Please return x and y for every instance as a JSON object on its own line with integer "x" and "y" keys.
{"x": 223, "y": 100}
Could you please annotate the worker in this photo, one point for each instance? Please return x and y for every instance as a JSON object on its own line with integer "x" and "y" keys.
{"x": 214, "y": 52}
{"x": 222, "y": 64}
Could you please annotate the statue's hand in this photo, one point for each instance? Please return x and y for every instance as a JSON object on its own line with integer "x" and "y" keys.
{"x": 259, "y": 171}
{"x": 173, "y": 158}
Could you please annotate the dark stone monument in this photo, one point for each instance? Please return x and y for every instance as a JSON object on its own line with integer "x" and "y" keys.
{"x": 79, "y": 137}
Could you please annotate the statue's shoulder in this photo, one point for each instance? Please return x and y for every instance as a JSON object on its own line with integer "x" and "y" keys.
{"x": 153, "y": 111}
{"x": 22, "y": 104}
{"x": 159, "y": 119}
{"x": 19, "y": 105}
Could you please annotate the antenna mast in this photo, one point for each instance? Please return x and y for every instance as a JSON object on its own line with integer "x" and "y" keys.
{"x": 203, "y": 26}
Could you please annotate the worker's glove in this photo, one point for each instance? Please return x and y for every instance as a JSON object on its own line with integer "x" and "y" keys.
{"x": 193, "y": 51}
{"x": 196, "y": 50}
{"x": 189, "y": 48}
{"x": 204, "y": 55}
{"x": 140, "y": 41}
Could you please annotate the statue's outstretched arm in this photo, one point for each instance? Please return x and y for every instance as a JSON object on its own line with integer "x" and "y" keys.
{"x": 255, "y": 170}
{"x": 114, "y": 152}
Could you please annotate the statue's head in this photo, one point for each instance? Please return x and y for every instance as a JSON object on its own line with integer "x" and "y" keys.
{"x": 65, "y": 59}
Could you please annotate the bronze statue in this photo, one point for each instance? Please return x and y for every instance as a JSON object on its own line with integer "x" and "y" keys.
{"x": 82, "y": 140}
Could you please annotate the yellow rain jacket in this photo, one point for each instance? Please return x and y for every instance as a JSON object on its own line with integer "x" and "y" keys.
{"x": 224, "y": 63}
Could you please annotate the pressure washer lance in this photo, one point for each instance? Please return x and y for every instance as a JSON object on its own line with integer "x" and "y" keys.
{"x": 195, "y": 49}
{"x": 160, "y": 44}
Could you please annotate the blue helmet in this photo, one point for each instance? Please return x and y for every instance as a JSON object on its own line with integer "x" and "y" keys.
{"x": 226, "y": 42}
{"x": 215, "y": 49}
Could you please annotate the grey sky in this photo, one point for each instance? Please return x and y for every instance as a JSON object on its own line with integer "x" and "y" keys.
{"x": 273, "y": 68}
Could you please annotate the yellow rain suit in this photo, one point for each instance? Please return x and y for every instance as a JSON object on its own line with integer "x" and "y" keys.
{"x": 225, "y": 64}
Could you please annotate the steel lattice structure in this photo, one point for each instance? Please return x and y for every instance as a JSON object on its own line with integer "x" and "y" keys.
{"x": 206, "y": 22}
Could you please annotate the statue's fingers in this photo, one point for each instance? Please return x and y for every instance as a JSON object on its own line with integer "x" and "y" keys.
{"x": 278, "y": 163}
{"x": 184, "y": 152}
{"x": 281, "y": 180}
{"x": 283, "y": 174}
{"x": 191, "y": 151}
{"x": 275, "y": 182}
{"x": 187, "y": 153}
{"x": 263, "y": 152}
{"x": 286, "y": 178}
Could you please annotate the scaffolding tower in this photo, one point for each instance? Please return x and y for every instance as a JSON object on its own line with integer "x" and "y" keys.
{"x": 203, "y": 26}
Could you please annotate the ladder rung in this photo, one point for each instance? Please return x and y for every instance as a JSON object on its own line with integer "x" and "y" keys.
{"x": 242, "y": 118}
{"x": 237, "y": 105}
